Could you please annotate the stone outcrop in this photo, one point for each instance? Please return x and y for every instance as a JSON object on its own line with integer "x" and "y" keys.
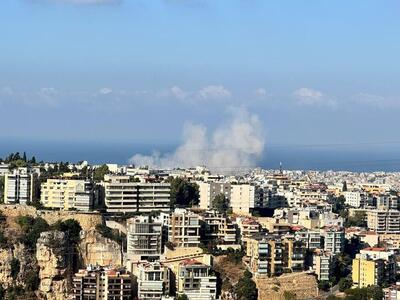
{"x": 52, "y": 259}
{"x": 86, "y": 220}
{"x": 302, "y": 285}
{"x": 22, "y": 257}
{"x": 96, "y": 249}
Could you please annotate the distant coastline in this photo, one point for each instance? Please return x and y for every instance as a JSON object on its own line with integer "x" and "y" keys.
{"x": 366, "y": 159}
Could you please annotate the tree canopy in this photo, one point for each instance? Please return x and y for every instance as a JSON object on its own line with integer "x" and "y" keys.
{"x": 183, "y": 192}
{"x": 246, "y": 288}
{"x": 220, "y": 203}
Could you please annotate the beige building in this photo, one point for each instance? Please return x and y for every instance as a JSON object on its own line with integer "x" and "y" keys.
{"x": 384, "y": 221}
{"x": 68, "y": 194}
{"x": 96, "y": 283}
{"x": 184, "y": 228}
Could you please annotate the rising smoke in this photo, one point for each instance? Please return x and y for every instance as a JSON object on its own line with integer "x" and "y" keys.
{"x": 235, "y": 145}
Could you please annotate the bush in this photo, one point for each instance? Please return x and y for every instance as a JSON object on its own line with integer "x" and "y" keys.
{"x": 15, "y": 267}
{"x": 71, "y": 228}
{"x": 32, "y": 280}
{"x": 246, "y": 288}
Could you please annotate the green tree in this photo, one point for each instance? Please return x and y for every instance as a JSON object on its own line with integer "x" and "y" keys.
{"x": 71, "y": 227}
{"x": 15, "y": 267}
{"x": 324, "y": 285}
{"x": 99, "y": 172}
{"x": 2, "y": 189}
{"x": 345, "y": 283}
{"x": 246, "y": 288}
{"x": 183, "y": 192}
{"x": 182, "y": 297}
{"x": 32, "y": 280}
{"x": 358, "y": 219}
{"x": 344, "y": 188}
{"x": 220, "y": 203}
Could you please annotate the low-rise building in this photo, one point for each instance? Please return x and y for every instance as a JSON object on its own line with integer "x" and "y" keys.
{"x": 96, "y": 283}
{"x": 196, "y": 281}
{"x": 153, "y": 280}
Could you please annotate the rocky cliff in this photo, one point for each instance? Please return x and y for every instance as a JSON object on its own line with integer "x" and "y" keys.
{"x": 96, "y": 249}
{"x": 52, "y": 254}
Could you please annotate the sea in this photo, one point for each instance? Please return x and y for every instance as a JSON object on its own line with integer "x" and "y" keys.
{"x": 338, "y": 157}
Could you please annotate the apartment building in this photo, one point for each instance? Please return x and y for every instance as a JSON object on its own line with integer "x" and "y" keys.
{"x": 384, "y": 221}
{"x": 196, "y": 280}
{"x": 271, "y": 255}
{"x": 373, "y": 266}
{"x": 20, "y": 186}
{"x": 97, "y": 283}
{"x": 184, "y": 228}
{"x": 153, "y": 280}
{"x": 68, "y": 194}
{"x": 311, "y": 239}
{"x": 323, "y": 265}
{"x": 243, "y": 198}
{"x": 124, "y": 196}
{"x": 144, "y": 238}
{"x": 354, "y": 199}
{"x": 334, "y": 238}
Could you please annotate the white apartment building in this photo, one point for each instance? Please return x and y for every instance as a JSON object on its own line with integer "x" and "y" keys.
{"x": 153, "y": 280}
{"x": 4, "y": 169}
{"x": 334, "y": 239}
{"x": 19, "y": 186}
{"x": 184, "y": 228}
{"x": 124, "y": 196}
{"x": 384, "y": 221}
{"x": 67, "y": 194}
{"x": 323, "y": 265}
{"x": 243, "y": 198}
{"x": 196, "y": 281}
{"x": 354, "y": 199}
{"x": 144, "y": 238}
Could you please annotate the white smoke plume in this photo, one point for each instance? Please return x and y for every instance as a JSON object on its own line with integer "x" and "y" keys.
{"x": 236, "y": 145}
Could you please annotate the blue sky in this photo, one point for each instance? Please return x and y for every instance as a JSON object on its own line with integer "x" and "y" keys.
{"x": 313, "y": 71}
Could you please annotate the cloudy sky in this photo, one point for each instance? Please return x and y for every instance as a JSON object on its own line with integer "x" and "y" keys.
{"x": 312, "y": 71}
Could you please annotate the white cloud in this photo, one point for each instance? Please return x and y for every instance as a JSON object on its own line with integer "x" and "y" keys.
{"x": 178, "y": 93}
{"x": 83, "y": 2}
{"x": 214, "y": 91}
{"x": 311, "y": 97}
{"x": 205, "y": 93}
{"x": 260, "y": 92}
{"x": 105, "y": 91}
{"x": 370, "y": 99}
{"x": 236, "y": 144}
{"x": 47, "y": 95}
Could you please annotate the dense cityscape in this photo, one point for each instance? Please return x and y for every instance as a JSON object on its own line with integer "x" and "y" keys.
{"x": 81, "y": 231}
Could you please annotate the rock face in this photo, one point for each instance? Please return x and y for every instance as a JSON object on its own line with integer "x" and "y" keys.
{"x": 52, "y": 259}
{"x": 87, "y": 220}
{"x": 302, "y": 285}
{"x": 22, "y": 257}
{"x": 96, "y": 249}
